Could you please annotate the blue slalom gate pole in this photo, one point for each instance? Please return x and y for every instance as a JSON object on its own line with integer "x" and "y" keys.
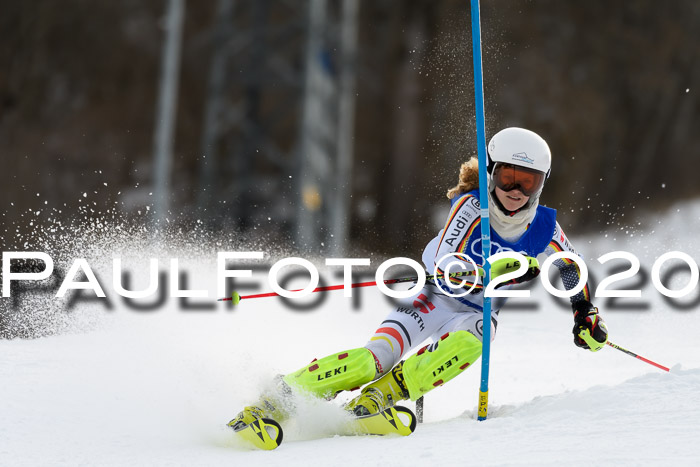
{"x": 484, "y": 200}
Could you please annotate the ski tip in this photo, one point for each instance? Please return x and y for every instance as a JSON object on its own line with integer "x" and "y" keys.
{"x": 411, "y": 416}
{"x": 274, "y": 430}
{"x": 263, "y": 433}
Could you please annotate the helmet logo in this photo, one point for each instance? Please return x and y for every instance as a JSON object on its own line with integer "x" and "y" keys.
{"x": 522, "y": 157}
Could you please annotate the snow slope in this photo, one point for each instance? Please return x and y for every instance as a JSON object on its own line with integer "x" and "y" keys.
{"x": 156, "y": 388}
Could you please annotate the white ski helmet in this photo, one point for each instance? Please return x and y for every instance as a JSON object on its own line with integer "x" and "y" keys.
{"x": 519, "y": 147}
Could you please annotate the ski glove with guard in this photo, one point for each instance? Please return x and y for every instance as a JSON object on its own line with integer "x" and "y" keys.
{"x": 590, "y": 331}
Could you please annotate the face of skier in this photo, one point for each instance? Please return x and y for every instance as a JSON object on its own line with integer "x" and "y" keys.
{"x": 511, "y": 200}
{"x": 509, "y": 177}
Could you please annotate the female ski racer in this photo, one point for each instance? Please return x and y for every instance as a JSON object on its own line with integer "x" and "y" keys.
{"x": 519, "y": 164}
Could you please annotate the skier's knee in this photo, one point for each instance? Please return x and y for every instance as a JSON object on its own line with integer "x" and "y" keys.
{"x": 436, "y": 364}
{"x": 474, "y": 324}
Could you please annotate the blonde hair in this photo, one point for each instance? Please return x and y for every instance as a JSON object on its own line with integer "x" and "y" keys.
{"x": 468, "y": 178}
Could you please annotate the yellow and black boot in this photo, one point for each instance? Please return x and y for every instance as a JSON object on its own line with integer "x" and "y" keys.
{"x": 275, "y": 403}
{"x": 381, "y": 394}
{"x": 245, "y": 417}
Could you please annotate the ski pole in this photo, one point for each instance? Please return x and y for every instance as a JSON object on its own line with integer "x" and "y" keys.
{"x": 236, "y": 297}
{"x": 636, "y": 356}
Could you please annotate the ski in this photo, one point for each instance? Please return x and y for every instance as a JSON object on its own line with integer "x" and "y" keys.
{"x": 263, "y": 433}
{"x": 394, "y": 420}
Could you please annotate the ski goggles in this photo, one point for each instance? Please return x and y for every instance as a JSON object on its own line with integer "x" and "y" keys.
{"x": 508, "y": 177}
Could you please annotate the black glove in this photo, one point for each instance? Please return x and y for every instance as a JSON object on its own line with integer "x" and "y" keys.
{"x": 590, "y": 331}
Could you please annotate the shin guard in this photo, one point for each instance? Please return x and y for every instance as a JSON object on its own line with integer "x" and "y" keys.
{"x": 338, "y": 372}
{"x": 451, "y": 355}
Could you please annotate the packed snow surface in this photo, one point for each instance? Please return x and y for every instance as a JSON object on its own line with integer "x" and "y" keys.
{"x": 157, "y": 387}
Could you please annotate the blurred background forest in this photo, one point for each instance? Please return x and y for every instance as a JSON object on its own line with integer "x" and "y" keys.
{"x": 337, "y": 124}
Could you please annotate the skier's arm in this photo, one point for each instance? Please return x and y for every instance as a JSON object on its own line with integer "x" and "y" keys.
{"x": 589, "y": 330}
{"x": 568, "y": 269}
{"x": 463, "y": 218}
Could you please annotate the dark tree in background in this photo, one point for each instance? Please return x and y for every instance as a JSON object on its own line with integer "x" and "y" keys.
{"x": 611, "y": 85}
